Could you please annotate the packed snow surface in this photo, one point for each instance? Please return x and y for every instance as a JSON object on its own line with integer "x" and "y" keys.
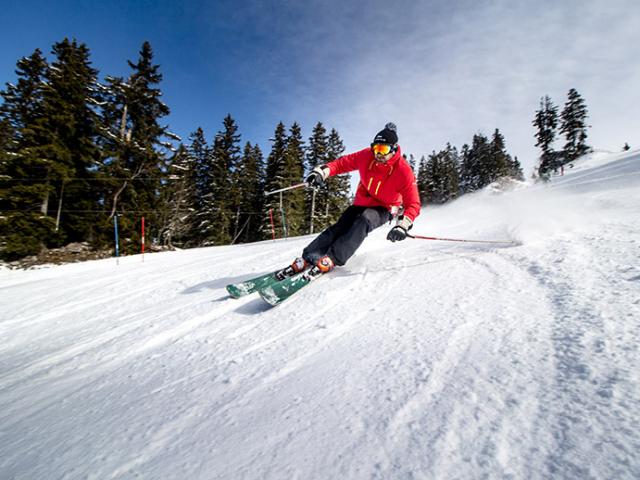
{"x": 419, "y": 359}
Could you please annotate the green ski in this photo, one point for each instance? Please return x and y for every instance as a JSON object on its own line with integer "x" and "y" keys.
{"x": 240, "y": 289}
{"x": 237, "y": 290}
{"x": 277, "y": 292}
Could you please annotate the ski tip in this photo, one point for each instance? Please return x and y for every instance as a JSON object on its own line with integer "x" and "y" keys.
{"x": 235, "y": 292}
{"x": 269, "y": 296}
{"x": 232, "y": 291}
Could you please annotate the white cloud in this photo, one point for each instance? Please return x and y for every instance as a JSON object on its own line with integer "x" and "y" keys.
{"x": 443, "y": 73}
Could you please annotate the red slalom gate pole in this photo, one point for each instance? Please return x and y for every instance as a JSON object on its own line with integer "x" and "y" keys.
{"x": 273, "y": 228}
{"x": 422, "y": 237}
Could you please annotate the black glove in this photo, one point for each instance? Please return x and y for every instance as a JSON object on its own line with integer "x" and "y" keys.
{"x": 317, "y": 177}
{"x": 399, "y": 232}
{"x": 396, "y": 234}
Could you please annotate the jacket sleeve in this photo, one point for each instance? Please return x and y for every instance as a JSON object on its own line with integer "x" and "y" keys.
{"x": 347, "y": 163}
{"x": 411, "y": 197}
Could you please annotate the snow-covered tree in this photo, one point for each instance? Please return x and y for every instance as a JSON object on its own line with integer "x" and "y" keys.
{"x": 438, "y": 176}
{"x": 500, "y": 160}
{"x": 422, "y": 179}
{"x": 177, "y": 218}
{"x": 573, "y": 125}
{"x": 68, "y": 130}
{"x": 250, "y": 184}
{"x": 476, "y": 165}
{"x": 546, "y": 122}
{"x": 338, "y": 187}
{"x": 25, "y": 186}
{"x": 316, "y": 200}
{"x": 275, "y": 179}
{"x": 135, "y": 144}
{"x": 221, "y": 205}
{"x": 294, "y": 200}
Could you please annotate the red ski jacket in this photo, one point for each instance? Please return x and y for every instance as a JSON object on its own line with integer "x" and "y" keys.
{"x": 388, "y": 185}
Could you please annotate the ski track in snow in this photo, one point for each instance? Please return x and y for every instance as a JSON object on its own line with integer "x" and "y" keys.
{"x": 416, "y": 360}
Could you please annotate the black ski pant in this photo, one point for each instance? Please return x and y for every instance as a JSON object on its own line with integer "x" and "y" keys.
{"x": 341, "y": 240}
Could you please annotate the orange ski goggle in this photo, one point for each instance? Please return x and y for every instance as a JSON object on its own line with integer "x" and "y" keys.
{"x": 381, "y": 148}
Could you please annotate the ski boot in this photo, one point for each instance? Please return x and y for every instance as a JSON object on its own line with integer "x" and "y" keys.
{"x": 322, "y": 265}
{"x": 299, "y": 265}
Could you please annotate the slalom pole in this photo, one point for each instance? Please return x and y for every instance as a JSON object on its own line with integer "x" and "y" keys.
{"x": 273, "y": 228}
{"x": 143, "y": 239}
{"x": 284, "y": 220}
{"x": 297, "y": 185}
{"x": 422, "y": 237}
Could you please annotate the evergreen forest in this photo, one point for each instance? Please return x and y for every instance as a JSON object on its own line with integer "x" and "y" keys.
{"x": 81, "y": 155}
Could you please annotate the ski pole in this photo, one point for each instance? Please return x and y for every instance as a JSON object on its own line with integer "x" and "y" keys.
{"x": 421, "y": 237}
{"x": 297, "y": 185}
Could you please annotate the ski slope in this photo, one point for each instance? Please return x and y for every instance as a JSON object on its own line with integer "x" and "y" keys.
{"x": 420, "y": 359}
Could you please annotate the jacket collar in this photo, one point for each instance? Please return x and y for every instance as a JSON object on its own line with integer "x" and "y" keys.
{"x": 389, "y": 164}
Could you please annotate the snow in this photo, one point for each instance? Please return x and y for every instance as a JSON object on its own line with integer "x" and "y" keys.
{"x": 418, "y": 359}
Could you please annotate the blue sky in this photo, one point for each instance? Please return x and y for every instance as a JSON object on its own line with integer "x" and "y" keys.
{"x": 440, "y": 70}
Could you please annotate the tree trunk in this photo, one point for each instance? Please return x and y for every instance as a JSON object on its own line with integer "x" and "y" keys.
{"x": 45, "y": 201}
{"x": 115, "y": 198}
{"x": 59, "y": 207}
{"x": 123, "y": 123}
{"x": 235, "y": 230}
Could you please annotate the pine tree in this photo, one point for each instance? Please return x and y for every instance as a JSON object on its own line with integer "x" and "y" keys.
{"x": 431, "y": 182}
{"x": 222, "y": 203}
{"x": 135, "y": 143}
{"x": 316, "y": 200}
{"x": 338, "y": 187}
{"x": 294, "y": 200}
{"x": 515, "y": 170}
{"x": 423, "y": 181}
{"x": 24, "y": 188}
{"x": 412, "y": 162}
{"x": 6, "y": 140}
{"x": 573, "y": 125}
{"x": 546, "y": 122}
{"x": 466, "y": 170}
{"x": 250, "y": 183}
{"x": 203, "y": 182}
{"x": 450, "y": 173}
{"x": 275, "y": 179}
{"x": 68, "y": 131}
{"x": 177, "y": 217}
{"x": 500, "y": 160}
{"x": 438, "y": 176}
{"x": 477, "y": 164}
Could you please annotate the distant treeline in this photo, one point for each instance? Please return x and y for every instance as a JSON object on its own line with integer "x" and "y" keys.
{"x": 77, "y": 152}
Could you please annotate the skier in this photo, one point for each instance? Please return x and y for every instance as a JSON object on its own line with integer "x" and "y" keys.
{"x": 386, "y": 183}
